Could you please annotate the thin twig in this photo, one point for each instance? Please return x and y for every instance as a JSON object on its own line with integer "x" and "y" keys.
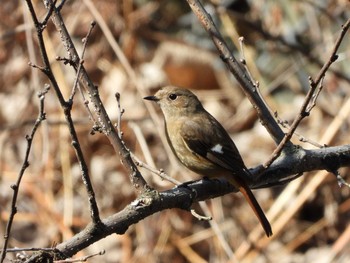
{"x": 200, "y": 217}
{"x": 82, "y": 259}
{"x": 285, "y": 124}
{"x": 15, "y": 187}
{"x": 310, "y": 97}
{"x": 96, "y": 126}
{"x": 243, "y": 59}
{"x": 159, "y": 172}
{"x": 81, "y": 62}
{"x": 340, "y": 179}
{"x": 314, "y": 98}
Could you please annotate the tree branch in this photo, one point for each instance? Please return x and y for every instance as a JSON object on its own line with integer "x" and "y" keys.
{"x": 15, "y": 187}
{"x": 239, "y": 72}
{"x": 184, "y": 197}
{"x": 311, "y": 97}
{"x": 105, "y": 123}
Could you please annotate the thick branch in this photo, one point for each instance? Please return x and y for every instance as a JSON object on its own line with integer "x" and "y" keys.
{"x": 296, "y": 162}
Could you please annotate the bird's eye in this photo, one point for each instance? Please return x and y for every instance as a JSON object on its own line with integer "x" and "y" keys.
{"x": 172, "y": 96}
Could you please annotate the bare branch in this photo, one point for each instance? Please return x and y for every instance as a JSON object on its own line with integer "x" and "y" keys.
{"x": 310, "y": 97}
{"x": 241, "y": 75}
{"x": 15, "y": 187}
{"x": 183, "y": 197}
{"x": 67, "y": 107}
{"x": 81, "y": 62}
{"x": 104, "y": 121}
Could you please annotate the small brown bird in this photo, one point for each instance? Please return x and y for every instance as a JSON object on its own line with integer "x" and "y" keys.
{"x": 201, "y": 144}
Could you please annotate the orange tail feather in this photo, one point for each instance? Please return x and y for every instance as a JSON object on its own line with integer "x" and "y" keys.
{"x": 248, "y": 195}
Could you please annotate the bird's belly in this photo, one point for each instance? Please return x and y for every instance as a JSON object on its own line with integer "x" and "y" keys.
{"x": 199, "y": 165}
{"x": 192, "y": 160}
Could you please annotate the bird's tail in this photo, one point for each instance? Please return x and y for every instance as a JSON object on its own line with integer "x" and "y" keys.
{"x": 248, "y": 195}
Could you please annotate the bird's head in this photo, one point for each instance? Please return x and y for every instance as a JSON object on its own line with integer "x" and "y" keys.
{"x": 176, "y": 102}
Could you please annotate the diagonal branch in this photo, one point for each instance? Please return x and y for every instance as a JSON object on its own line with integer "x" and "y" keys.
{"x": 15, "y": 187}
{"x": 104, "y": 121}
{"x": 66, "y": 106}
{"x": 239, "y": 72}
{"x": 311, "y": 96}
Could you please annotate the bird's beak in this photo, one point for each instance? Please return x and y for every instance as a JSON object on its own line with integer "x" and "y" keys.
{"x": 153, "y": 98}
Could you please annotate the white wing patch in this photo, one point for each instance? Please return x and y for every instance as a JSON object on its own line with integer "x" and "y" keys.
{"x": 217, "y": 148}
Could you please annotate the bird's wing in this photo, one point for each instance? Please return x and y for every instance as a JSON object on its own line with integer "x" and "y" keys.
{"x": 209, "y": 139}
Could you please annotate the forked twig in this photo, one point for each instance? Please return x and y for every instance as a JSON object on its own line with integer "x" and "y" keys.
{"x": 104, "y": 123}
{"x": 311, "y": 97}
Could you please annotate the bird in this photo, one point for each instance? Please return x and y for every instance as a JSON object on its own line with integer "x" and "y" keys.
{"x": 202, "y": 144}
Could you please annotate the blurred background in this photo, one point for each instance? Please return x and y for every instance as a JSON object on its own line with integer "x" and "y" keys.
{"x": 285, "y": 42}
